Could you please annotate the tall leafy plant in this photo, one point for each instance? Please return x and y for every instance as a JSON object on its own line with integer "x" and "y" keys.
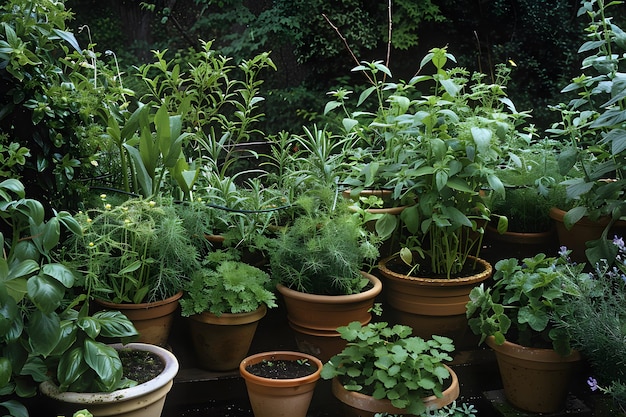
{"x": 52, "y": 92}
{"x": 42, "y": 335}
{"x": 593, "y": 124}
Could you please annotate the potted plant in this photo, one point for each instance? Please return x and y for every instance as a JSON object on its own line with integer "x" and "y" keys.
{"x": 514, "y": 317}
{"x": 383, "y": 369}
{"x": 592, "y": 124}
{"x": 520, "y": 225}
{"x": 281, "y": 383}
{"x": 47, "y": 337}
{"x": 318, "y": 262}
{"x": 594, "y": 316}
{"x": 224, "y": 302}
{"x": 456, "y": 135}
{"x": 127, "y": 397}
{"x": 135, "y": 257}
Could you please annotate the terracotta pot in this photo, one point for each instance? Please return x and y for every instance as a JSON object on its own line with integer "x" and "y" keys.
{"x": 576, "y": 238}
{"x": 361, "y": 405}
{"x": 153, "y": 320}
{"x": 315, "y": 318}
{"x": 432, "y": 305}
{"x": 535, "y": 380}
{"x": 222, "y": 342}
{"x": 144, "y": 400}
{"x": 280, "y": 397}
{"x": 519, "y": 245}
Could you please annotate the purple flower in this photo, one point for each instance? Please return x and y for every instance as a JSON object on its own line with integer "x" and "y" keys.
{"x": 593, "y": 384}
{"x": 619, "y": 242}
{"x": 563, "y": 251}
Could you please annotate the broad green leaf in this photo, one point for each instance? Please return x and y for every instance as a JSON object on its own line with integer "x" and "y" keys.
{"x": 15, "y": 408}
{"x": 68, "y": 37}
{"x": 115, "y": 324}
{"x": 71, "y": 366}
{"x": 89, "y": 325}
{"x": 5, "y": 371}
{"x": 44, "y": 331}
{"x": 145, "y": 180}
{"x": 45, "y": 292}
{"x": 59, "y": 272}
{"x": 105, "y": 361}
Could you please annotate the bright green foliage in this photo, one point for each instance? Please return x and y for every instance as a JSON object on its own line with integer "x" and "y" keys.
{"x": 593, "y": 123}
{"x": 53, "y": 93}
{"x": 225, "y": 285}
{"x": 323, "y": 250}
{"x": 135, "y": 252}
{"x": 386, "y": 362}
{"x": 523, "y": 299}
{"x": 40, "y": 331}
{"x": 441, "y": 149}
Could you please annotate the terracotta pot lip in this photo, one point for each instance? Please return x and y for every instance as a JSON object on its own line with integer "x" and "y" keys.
{"x": 140, "y": 306}
{"x": 558, "y": 214}
{"x": 231, "y": 318}
{"x": 537, "y": 354}
{"x": 523, "y": 234}
{"x": 284, "y": 355}
{"x": 377, "y": 287}
{"x": 171, "y": 369}
{"x": 451, "y": 393}
{"x": 472, "y": 279}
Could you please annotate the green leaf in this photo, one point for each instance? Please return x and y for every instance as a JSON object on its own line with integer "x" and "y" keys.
{"x": 44, "y": 331}
{"x": 16, "y": 409}
{"x": 105, "y": 361}
{"x": 115, "y": 324}
{"x": 69, "y": 38}
{"x": 5, "y": 371}
{"x": 71, "y": 366}
{"x": 59, "y": 272}
{"x": 45, "y": 292}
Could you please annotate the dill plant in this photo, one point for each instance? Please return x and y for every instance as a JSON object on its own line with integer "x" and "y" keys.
{"x": 323, "y": 251}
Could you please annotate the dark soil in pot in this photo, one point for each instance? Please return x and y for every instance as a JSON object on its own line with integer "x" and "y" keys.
{"x": 140, "y": 365}
{"x": 282, "y": 369}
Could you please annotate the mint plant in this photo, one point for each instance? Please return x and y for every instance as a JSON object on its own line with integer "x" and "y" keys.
{"x": 387, "y": 362}
{"x": 521, "y": 302}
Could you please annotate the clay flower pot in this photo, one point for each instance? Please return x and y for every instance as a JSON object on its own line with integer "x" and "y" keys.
{"x": 143, "y": 400}
{"x": 280, "y": 397}
{"x": 361, "y": 405}
{"x": 431, "y": 305}
{"x": 153, "y": 320}
{"x": 315, "y": 318}
{"x": 222, "y": 342}
{"x": 535, "y": 380}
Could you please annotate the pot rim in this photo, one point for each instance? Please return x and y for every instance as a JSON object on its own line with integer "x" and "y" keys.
{"x": 140, "y": 306}
{"x": 538, "y": 354}
{"x": 171, "y": 369}
{"x": 452, "y": 392}
{"x": 376, "y": 289}
{"x": 472, "y": 279}
{"x": 231, "y": 318}
{"x": 282, "y": 355}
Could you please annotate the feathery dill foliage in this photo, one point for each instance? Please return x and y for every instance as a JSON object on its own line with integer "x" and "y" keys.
{"x": 323, "y": 254}
{"x": 138, "y": 251}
